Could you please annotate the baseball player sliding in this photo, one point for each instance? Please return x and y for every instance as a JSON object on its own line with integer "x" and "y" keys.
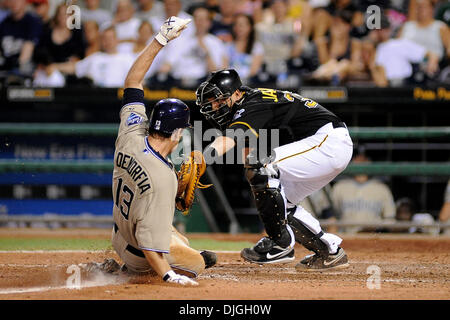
{"x": 315, "y": 146}
{"x": 144, "y": 179}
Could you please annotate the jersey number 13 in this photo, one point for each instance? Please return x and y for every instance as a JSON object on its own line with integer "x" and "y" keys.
{"x": 124, "y": 197}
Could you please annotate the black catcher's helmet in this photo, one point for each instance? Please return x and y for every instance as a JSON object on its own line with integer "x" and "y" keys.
{"x": 221, "y": 85}
{"x": 168, "y": 115}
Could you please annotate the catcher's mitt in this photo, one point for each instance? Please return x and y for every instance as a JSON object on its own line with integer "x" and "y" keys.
{"x": 189, "y": 179}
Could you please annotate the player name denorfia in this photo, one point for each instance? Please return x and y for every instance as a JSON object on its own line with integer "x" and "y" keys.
{"x": 134, "y": 170}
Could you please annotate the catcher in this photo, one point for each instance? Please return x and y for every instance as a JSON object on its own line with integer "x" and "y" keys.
{"x": 145, "y": 184}
{"x": 315, "y": 147}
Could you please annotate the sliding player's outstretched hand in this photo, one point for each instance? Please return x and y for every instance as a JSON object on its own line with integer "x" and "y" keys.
{"x": 171, "y": 29}
{"x": 176, "y": 278}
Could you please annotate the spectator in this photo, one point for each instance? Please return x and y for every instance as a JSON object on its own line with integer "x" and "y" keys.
{"x": 107, "y": 68}
{"x": 145, "y": 35}
{"x": 246, "y": 54}
{"x": 360, "y": 11}
{"x": 192, "y": 58}
{"x": 148, "y": 9}
{"x": 281, "y": 41}
{"x": 61, "y": 43}
{"x": 301, "y": 12}
{"x": 444, "y": 214}
{"x": 187, "y": 5}
{"x": 125, "y": 23}
{"x": 95, "y": 13}
{"x": 362, "y": 63}
{"x": 213, "y": 7}
{"x": 173, "y": 8}
{"x": 428, "y": 32}
{"x": 317, "y": 8}
{"x": 42, "y": 9}
{"x": 323, "y": 16}
{"x": 397, "y": 13}
{"x": 19, "y": 34}
{"x": 394, "y": 58}
{"x": 222, "y": 25}
{"x": 335, "y": 52}
{"x": 249, "y": 7}
{"x": 443, "y": 12}
{"x": 92, "y": 35}
{"x": 363, "y": 199}
{"x": 45, "y": 74}
{"x": 406, "y": 211}
{"x": 4, "y": 11}
{"x": 298, "y": 8}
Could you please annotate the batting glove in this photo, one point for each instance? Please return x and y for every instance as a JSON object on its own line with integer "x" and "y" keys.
{"x": 173, "y": 277}
{"x": 171, "y": 29}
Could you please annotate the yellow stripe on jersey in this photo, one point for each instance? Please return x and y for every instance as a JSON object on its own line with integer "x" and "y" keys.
{"x": 299, "y": 153}
{"x": 247, "y": 125}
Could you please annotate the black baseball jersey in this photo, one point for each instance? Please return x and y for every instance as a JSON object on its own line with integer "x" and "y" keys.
{"x": 296, "y": 117}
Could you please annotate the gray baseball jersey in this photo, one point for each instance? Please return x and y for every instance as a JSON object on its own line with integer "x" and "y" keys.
{"x": 371, "y": 201}
{"x": 144, "y": 182}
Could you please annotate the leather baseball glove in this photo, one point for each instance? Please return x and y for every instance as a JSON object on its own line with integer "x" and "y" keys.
{"x": 189, "y": 175}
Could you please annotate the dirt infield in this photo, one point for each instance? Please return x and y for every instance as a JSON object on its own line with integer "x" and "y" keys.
{"x": 410, "y": 267}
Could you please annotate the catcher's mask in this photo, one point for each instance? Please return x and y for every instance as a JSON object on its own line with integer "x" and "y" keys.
{"x": 218, "y": 88}
{"x": 168, "y": 115}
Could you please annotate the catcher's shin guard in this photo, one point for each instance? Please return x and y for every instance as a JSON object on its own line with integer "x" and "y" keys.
{"x": 308, "y": 239}
{"x": 270, "y": 206}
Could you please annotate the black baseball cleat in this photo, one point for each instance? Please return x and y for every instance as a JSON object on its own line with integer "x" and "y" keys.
{"x": 307, "y": 258}
{"x": 313, "y": 262}
{"x": 267, "y": 251}
{"x": 209, "y": 257}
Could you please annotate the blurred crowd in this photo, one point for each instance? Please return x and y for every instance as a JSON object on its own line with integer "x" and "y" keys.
{"x": 365, "y": 203}
{"x": 287, "y": 43}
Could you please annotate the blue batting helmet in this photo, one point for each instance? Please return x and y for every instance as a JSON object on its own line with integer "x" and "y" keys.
{"x": 168, "y": 115}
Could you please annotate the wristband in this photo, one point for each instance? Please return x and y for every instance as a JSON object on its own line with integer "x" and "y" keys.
{"x": 161, "y": 39}
{"x": 169, "y": 274}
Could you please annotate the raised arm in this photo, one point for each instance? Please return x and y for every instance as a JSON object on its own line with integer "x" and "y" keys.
{"x": 170, "y": 30}
{"x": 142, "y": 64}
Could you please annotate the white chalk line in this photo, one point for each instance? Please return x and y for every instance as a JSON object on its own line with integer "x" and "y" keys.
{"x": 15, "y": 265}
{"x": 88, "y": 284}
{"x": 31, "y": 290}
{"x": 99, "y": 280}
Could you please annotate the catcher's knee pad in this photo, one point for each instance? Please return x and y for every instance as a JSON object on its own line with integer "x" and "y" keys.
{"x": 308, "y": 239}
{"x": 270, "y": 206}
{"x": 271, "y": 209}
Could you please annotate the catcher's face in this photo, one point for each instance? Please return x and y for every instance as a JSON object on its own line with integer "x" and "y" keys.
{"x": 228, "y": 101}
{"x": 216, "y": 104}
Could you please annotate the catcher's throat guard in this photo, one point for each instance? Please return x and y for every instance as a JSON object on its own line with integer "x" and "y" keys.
{"x": 192, "y": 168}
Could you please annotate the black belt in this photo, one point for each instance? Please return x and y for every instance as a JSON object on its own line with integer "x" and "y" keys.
{"x": 339, "y": 124}
{"x": 130, "y": 248}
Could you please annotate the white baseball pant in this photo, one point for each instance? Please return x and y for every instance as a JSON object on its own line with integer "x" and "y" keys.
{"x": 308, "y": 165}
